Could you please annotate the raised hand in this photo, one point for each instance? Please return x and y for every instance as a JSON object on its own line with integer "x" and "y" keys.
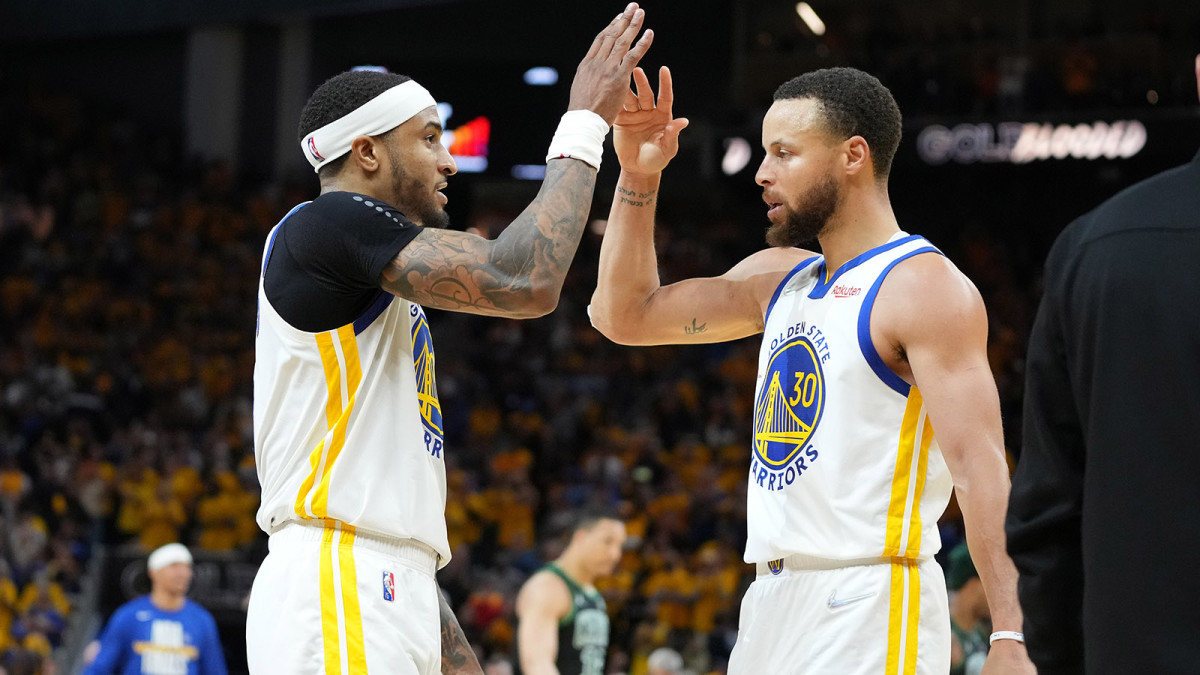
{"x": 646, "y": 137}
{"x": 602, "y": 78}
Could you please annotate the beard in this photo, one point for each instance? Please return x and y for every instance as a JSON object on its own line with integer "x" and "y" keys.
{"x": 415, "y": 198}
{"x": 804, "y": 224}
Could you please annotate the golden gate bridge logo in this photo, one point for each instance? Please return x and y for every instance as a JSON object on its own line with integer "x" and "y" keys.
{"x": 423, "y": 360}
{"x": 790, "y": 403}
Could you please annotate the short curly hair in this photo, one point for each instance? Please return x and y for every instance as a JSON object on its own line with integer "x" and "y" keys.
{"x": 853, "y": 103}
{"x": 336, "y": 98}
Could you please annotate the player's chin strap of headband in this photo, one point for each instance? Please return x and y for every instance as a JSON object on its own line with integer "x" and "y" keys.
{"x": 379, "y": 115}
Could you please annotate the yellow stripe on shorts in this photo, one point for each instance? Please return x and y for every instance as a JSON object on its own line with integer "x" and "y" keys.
{"x": 355, "y": 644}
{"x": 895, "y": 618}
{"x": 914, "y": 618}
{"x": 904, "y": 618}
{"x": 330, "y": 635}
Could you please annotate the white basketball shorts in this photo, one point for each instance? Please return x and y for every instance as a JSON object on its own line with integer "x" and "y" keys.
{"x": 877, "y": 618}
{"x": 328, "y": 600}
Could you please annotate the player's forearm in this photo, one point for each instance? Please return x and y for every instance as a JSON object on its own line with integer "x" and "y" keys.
{"x": 628, "y": 274}
{"x": 535, "y": 250}
{"x": 983, "y": 496}
{"x": 458, "y": 658}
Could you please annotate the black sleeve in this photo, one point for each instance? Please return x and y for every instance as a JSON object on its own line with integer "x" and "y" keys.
{"x": 348, "y": 239}
{"x": 327, "y": 258}
{"x": 1044, "y": 510}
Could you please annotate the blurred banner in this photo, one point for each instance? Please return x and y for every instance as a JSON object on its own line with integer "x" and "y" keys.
{"x": 1088, "y": 138}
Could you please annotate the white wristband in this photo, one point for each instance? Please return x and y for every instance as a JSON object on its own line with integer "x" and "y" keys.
{"x": 1006, "y": 635}
{"x": 580, "y": 135}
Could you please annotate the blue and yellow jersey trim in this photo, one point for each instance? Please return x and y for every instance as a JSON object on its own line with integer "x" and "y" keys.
{"x": 787, "y": 278}
{"x": 825, "y": 279}
{"x": 865, "y": 344}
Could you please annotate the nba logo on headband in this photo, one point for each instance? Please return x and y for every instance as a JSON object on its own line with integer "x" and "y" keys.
{"x": 312, "y": 149}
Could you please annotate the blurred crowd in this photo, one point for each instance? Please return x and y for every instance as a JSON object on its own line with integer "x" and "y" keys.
{"x": 953, "y": 58}
{"x": 127, "y": 313}
{"x": 124, "y": 362}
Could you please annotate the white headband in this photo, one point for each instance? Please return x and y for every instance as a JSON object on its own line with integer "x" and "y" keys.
{"x": 381, "y": 114}
{"x": 168, "y": 555}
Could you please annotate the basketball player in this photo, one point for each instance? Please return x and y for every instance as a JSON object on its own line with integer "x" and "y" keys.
{"x": 163, "y": 633}
{"x": 348, "y": 428}
{"x": 562, "y": 620}
{"x": 866, "y": 351}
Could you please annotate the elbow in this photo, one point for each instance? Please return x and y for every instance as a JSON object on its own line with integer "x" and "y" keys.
{"x": 541, "y": 302}
{"x": 618, "y": 335}
{"x": 601, "y": 317}
{"x": 606, "y": 322}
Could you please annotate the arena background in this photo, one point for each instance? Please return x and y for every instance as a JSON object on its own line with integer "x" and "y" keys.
{"x": 148, "y": 148}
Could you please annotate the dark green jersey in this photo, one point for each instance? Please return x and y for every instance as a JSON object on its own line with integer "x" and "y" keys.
{"x": 583, "y": 632}
{"x": 975, "y": 650}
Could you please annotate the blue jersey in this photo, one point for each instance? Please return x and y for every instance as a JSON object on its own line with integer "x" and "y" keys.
{"x": 141, "y": 639}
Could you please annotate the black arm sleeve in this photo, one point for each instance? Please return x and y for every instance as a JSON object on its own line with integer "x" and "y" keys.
{"x": 327, "y": 258}
{"x": 1044, "y": 510}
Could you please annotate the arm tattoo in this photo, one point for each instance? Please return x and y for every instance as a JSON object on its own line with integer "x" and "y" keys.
{"x": 694, "y": 329}
{"x": 511, "y": 274}
{"x": 458, "y": 658}
{"x": 635, "y": 198}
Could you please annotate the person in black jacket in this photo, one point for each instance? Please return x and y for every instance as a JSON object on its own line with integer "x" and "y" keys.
{"x": 1102, "y": 519}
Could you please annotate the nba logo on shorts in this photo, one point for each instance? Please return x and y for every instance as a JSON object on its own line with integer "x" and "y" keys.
{"x": 389, "y": 587}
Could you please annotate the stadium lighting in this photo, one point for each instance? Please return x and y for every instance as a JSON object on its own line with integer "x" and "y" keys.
{"x": 529, "y": 171}
{"x": 810, "y": 18}
{"x": 737, "y": 155}
{"x": 542, "y": 76}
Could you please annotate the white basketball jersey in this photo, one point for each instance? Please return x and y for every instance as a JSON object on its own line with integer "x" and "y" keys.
{"x": 844, "y": 463}
{"x": 347, "y": 424}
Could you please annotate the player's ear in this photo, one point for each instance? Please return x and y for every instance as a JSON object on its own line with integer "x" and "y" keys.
{"x": 856, "y": 155}
{"x": 365, "y": 153}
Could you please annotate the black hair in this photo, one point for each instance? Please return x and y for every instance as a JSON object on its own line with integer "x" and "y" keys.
{"x": 336, "y": 98}
{"x": 587, "y": 518}
{"x": 853, "y": 103}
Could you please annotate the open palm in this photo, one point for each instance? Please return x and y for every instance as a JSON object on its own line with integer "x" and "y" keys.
{"x": 645, "y": 135}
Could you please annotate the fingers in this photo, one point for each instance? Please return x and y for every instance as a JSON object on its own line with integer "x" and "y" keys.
{"x": 671, "y": 135}
{"x": 639, "y": 50}
{"x": 620, "y": 46}
{"x": 595, "y": 48}
{"x": 631, "y": 101}
{"x": 645, "y": 95}
{"x": 602, "y": 45}
{"x": 666, "y": 90}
